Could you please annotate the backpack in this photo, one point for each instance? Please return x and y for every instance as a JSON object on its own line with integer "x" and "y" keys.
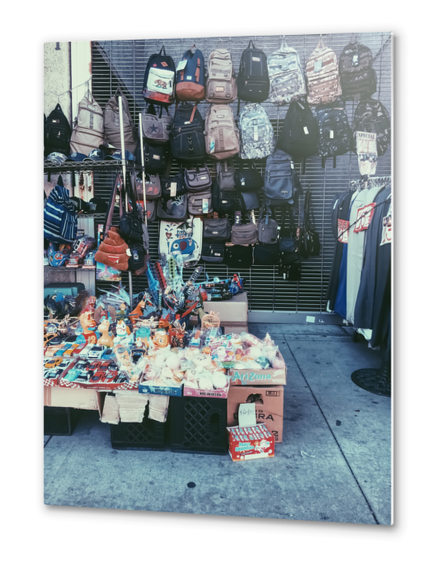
{"x": 184, "y": 239}
{"x": 371, "y": 116}
{"x": 256, "y": 132}
{"x": 112, "y": 123}
{"x": 221, "y": 85}
{"x": 334, "y": 132}
{"x": 323, "y": 79}
{"x": 357, "y": 76}
{"x": 286, "y": 79}
{"x": 155, "y": 158}
{"x": 221, "y": 133}
{"x": 253, "y": 79}
{"x": 60, "y": 217}
{"x": 88, "y": 133}
{"x": 159, "y": 79}
{"x": 267, "y": 228}
{"x": 190, "y": 78}
{"x": 187, "y": 141}
{"x": 300, "y": 133}
{"x": 57, "y": 132}
{"x": 281, "y": 180}
{"x": 223, "y": 201}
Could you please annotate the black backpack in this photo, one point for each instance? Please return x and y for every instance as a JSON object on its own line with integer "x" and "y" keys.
{"x": 160, "y": 79}
{"x": 334, "y": 131}
{"x": 300, "y": 133}
{"x": 223, "y": 201}
{"x": 253, "y": 78}
{"x": 371, "y": 116}
{"x": 187, "y": 142}
{"x": 57, "y": 132}
{"x": 155, "y": 158}
{"x": 282, "y": 183}
{"x": 357, "y": 77}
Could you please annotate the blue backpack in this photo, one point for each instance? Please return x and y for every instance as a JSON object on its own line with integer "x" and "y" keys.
{"x": 60, "y": 217}
{"x": 190, "y": 76}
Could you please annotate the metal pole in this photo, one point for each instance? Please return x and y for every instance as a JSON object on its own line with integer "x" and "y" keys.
{"x": 143, "y": 174}
{"x": 122, "y": 146}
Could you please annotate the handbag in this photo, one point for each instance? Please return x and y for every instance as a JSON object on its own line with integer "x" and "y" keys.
{"x": 248, "y": 178}
{"x": 238, "y": 256}
{"x": 213, "y": 252}
{"x": 249, "y": 200}
{"x": 223, "y": 201}
{"x": 200, "y": 203}
{"x": 226, "y": 175}
{"x": 173, "y": 186}
{"x": 266, "y": 254}
{"x": 287, "y": 243}
{"x": 173, "y": 210}
{"x": 308, "y": 238}
{"x": 216, "y": 230}
{"x": 197, "y": 179}
{"x": 244, "y": 234}
{"x": 156, "y": 128}
{"x": 267, "y": 228}
{"x": 152, "y": 187}
{"x": 130, "y": 224}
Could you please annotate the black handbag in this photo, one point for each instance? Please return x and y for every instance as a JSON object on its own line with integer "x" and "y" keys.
{"x": 213, "y": 252}
{"x": 308, "y": 238}
{"x": 223, "y": 201}
{"x": 216, "y": 230}
{"x": 287, "y": 243}
{"x": 266, "y": 254}
{"x": 130, "y": 224}
{"x": 173, "y": 186}
{"x": 248, "y": 178}
{"x": 267, "y": 228}
{"x": 249, "y": 200}
{"x": 238, "y": 256}
{"x": 173, "y": 210}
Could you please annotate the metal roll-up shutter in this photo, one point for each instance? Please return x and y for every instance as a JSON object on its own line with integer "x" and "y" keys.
{"x": 123, "y": 63}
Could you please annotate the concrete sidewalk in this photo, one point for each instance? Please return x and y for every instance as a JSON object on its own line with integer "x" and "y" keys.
{"x": 334, "y": 463}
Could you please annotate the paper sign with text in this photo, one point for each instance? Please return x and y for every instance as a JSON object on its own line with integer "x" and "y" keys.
{"x": 387, "y": 229}
{"x": 247, "y": 415}
{"x": 364, "y": 216}
{"x": 343, "y": 231}
{"x": 366, "y": 149}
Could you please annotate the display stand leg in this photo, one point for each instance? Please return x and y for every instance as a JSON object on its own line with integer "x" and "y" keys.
{"x": 130, "y": 288}
{"x": 377, "y": 381}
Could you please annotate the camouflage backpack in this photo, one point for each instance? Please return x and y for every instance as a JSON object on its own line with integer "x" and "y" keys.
{"x": 371, "y": 116}
{"x": 334, "y": 131}
{"x": 286, "y": 78}
{"x": 323, "y": 79}
{"x": 257, "y": 134}
{"x": 221, "y": 133}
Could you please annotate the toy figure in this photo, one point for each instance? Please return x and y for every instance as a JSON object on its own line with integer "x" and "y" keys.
{"x": 123, "y": 334}
{"x": 140, "y": 308}
{"x": 177, "y": 334}
{"x": 88, "y": 326}
{"x": 106, "y": 338}
{"x": 124, "y": 361}
{"x": 160, "y": 339}
{"x": 142, "y": 338}
{"x": 122, "y": 312}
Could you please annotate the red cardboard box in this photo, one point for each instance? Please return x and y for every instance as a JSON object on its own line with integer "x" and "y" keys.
{"x": 254, "y": 442}
{"x": 269, "y": 401}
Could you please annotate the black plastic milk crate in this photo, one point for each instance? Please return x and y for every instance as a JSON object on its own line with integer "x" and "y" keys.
{"x": 146, "y": 435}
{"x": 60, "y": 420}
{"x": 198, "y": 425}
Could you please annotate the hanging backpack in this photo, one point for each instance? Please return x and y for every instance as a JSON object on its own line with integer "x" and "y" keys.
{"x": 371, "y": 116}
{"x": 88, "y": 132}
{"x": 221, "y": 84}
{"x": 256, "y": 133}
{"x": 253, "y": 79}
{"x": 226, "y": 175}
{"x": 300, "y": 133}
{"x": 357, "y": 76}
{"x": 221, "y": 133}
{"x": 267, "y": 228}
{"x": 223, "y": 201}
{"x": 60, "y": 216}
{"x": 57, "y": 132}
{"x": 281, "y": 180}
{"x": 190, "y": 76}
{"x": 112, "y": 123}
{"x": 334, "y": 132}
{"x": 286, "y": 79}
{"x": 156, "y": 128}
{"x": 323, "y": 79}
{"x": 159, "y": 79}
{"x": 187, "y": 141}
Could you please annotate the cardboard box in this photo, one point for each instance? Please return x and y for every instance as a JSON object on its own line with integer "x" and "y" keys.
{"x": 80, "y": 398}
{"x": 269, "y": 403}
{"x": 147, "y": 387}
{"x": 221, "y": 393}
{"x": 247, "y": 443}
{"x": 234, "y": 310}
{"x": 259, "y": 376}
{"x": 234, "y": 327}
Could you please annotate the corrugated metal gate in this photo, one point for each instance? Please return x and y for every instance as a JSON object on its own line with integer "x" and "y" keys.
{"x": 123, "y": 63}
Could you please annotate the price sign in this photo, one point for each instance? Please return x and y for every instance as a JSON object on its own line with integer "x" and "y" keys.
{"x": 387, "y": 229}
{"x": 364, "y": 216}
{"x": 343, "y": 231}
{"x": 247, "y": 415}
{"x": 367, "y": 153}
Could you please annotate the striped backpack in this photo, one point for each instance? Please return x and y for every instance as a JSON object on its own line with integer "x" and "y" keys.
{"x": 323, "y": 79}
{"x": 286, "y": 78}
{"x": 60, "y": 217}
